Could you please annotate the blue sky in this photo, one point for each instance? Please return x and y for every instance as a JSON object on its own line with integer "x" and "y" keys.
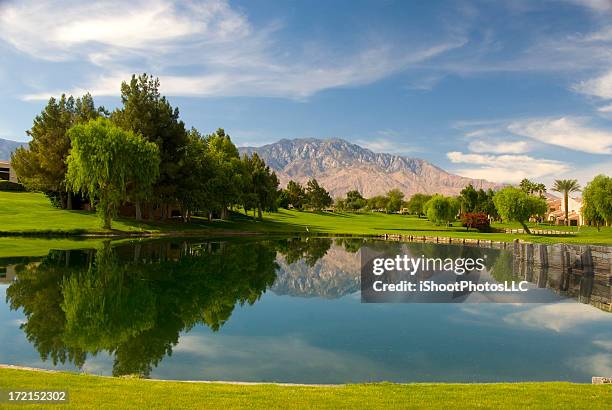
{"x": 489, "y": 89}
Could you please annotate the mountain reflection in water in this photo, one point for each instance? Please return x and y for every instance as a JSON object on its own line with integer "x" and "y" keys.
{"x": 133, "y": 301}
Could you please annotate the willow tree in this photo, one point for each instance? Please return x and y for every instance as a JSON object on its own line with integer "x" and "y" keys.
{"x": 107, "y": 162}
{"x": 566, "y": 187}
{"x": 514, "y": 204}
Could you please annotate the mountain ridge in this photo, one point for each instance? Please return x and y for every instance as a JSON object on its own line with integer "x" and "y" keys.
{"x": 7, "y": 147}
{"x": 341, "y": 166}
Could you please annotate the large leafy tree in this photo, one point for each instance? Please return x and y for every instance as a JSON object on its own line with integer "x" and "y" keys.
{"x": 354, "y": 201}
{"x": 261, "y": 184}
{"x": 226, "y": 185}
{"x": 442, "y": 209}
{"x": 317, "y": 197}
{"x": 597, "y": 201}
{"x": 514, "y": 204}
{"x": 416, "y": 204}
{"x": 296, "y": 195}
{"x": 106, "y": 162}
{"x": 146, "y": 112}
{"x": 42, "y": 165}
{"x": 196, "y": 172}
{"x": 395, "y": 198}
{"x": 566, "y": 187}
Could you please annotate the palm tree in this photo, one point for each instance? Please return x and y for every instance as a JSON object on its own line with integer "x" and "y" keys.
{"x": 566, "y": 186}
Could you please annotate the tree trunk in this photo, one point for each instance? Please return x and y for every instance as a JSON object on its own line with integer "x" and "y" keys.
{"x": 138, "y": 211}
{"x": 565, "y": 198}
{"x": 69, "y": 201}
{"x": 209, "y": 216}
{"x": 526, "y": 228}
{"x": 62, "y": 196}
{"x": 150, "y": 211}
{"x": 259, "y": 214}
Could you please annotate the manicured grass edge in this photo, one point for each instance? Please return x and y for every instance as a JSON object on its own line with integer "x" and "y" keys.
{"x": 88, "y": 391}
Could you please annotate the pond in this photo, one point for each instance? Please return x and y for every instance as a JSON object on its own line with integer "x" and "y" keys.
{"x": 285, "y": 310}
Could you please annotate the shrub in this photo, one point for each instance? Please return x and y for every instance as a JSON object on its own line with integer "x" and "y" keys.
{"x": 476, "y": 220}
{"x": 11, "y": 186}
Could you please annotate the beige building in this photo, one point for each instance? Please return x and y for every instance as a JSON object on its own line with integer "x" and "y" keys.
{"x": 556, "y": 211}
{"x": 7, "y": 173}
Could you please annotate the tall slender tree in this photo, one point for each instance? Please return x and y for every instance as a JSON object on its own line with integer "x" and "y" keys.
{"x": 146, "y": 112}
{"x": 42, "y": 165}
{"x": 566, "y": 186}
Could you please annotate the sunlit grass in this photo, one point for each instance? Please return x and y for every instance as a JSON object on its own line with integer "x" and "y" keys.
{"x": 104, "y": 392}
{"x": 31, "y": 213}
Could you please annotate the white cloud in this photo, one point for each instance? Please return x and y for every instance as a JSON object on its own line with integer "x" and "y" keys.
{"x": 505, "y": 168}
{"x": 606, "y": 109}
{"x": 499, "y": 147}
{"x": 599, "y": 86}
{"x": 596, "y": 5}
{"x": 604, "y": 344}
{"x": 385, "y": 145}
{"x": 220, "y": 51}
{"x": 558, "y": 317}
{"x": 567, "y": 132}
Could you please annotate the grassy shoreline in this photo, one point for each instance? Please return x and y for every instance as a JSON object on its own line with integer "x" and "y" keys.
{"x": 31, "y": 215}
{"x": 88, "y": 391}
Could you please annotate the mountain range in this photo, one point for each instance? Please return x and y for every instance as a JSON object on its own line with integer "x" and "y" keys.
{"x": 7, "y": 147}
{"x": 341, "y": 166}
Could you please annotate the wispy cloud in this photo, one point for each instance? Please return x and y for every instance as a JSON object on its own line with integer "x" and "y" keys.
{"x": 566, "y": 132}
{"x": 220, "y": 50}
{"x": 499, "y": 147}
{"x": 558, "y": 317}
{"x": 505, "y": 168}
{"x": 599, "y": 86}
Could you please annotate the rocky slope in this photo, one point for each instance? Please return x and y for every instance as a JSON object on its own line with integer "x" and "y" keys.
{"x": 7, "y": 147}
{"x": 341, "y": 166}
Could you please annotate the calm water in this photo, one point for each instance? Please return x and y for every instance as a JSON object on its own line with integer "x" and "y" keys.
{"x": 283, "y": 310}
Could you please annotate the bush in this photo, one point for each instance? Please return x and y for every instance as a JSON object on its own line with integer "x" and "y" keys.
{"x": 11, "y": 186}
{"x": 477, "y": 220}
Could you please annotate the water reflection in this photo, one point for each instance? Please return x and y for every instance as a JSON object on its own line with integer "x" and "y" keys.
{"x": 83, "y": 302}
{"x": 133, "y": 302}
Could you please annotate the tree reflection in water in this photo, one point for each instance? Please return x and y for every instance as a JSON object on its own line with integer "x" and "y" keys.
{"x": 134, "y": 306}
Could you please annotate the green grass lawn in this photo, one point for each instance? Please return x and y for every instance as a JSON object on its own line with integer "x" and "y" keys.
{"x": 87, "y": 391}
{"x": 31, "y": 213}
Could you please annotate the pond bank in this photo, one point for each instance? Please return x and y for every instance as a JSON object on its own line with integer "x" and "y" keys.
{"x": 87, "y": 391}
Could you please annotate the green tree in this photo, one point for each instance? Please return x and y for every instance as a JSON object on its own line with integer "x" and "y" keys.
{"x": 416, "y": 204}
{"x": 442, "y": 209}
{"x": 42, "y": 165}
{"x": 597, "y": 201}
{"x": 354, "y": 201}
{"x": 566, "y": 186}
{"x": 105, "y": 161}
{"x": 516, "y": 205}
{"x": 296, "y": 194}
{"x": 377, "y": 203}
{"x": 317, "y": 197}
{"x": 395, "y": 198}
{"x": 196, "y": 170}
{"x": 228, "y": 181}
{"x": 262, "y": 184}
{"x": 469, "y": 199}
{"x": 146, "y": 112}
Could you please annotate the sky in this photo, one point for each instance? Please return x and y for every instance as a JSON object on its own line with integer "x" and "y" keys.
{"x": 486, "y": 89}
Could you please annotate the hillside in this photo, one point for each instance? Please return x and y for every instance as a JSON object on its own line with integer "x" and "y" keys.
{"x": 341, "y": 166}
{"x": 7, "y": 147}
